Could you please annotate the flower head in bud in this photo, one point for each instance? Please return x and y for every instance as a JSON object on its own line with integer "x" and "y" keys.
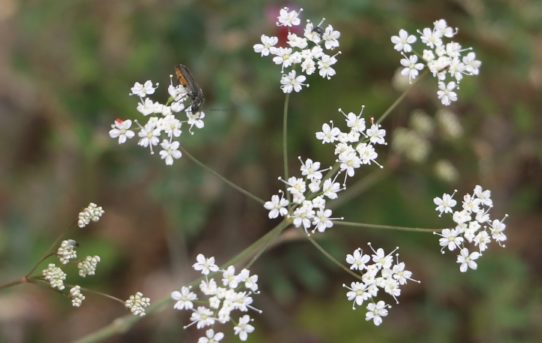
{"x": 138, "y": 304}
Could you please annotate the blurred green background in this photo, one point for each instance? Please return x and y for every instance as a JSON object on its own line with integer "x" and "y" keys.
{"x": 66, "y": 68}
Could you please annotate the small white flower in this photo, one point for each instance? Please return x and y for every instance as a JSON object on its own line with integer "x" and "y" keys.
{"x": 446, "y": 92}
{"x": 357, "y": 293}
{"x": 331, "y": 38}
{"x": 211, "y": 337}
{"x": 137, "y": 304}
{"x": 144, "y": 89}
{"x": 184, "y": 299}
{"x": 329, "y": 134}
{"x": 170, "y": 152}
{"x": 381, "y": 259}
{"x": 357, "y": 261}
{"x": 243, "y": 328}
{"x": 375, "y": 312}
{"x": 267, "y": 43}
{"x": 402, "y": 41}
{"x": 484, "y": 196}
{"x": 288, "y": 18}
{"x": 376, "y": 134}
{"x": 205, "y": 265}
{"x": 367, "y": 153}
{"x": 121, "y": 130}
{"x": 290, "y": 82}
{"x": 321, "y": 220}
{"x": 411, "y": 67}
{"x": 450, "y": 239}
{"x": 467, "y": 260}
{"x": 276, "y": 207}
{"x": 497, "y": 230}
{"x": 444, "y": 204}
{"x": 431, "y": 38}
{"x": 324, "y": 66}
{"x": 330, "y": 189}
{"x": 203, "y": 317}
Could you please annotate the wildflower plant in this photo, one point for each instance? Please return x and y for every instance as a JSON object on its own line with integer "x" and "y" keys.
{"x": 223, "y": 296}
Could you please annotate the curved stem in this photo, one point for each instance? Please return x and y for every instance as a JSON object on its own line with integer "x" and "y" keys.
{"x": 105, "y": 295}
{"x": 333, "y": 259}
{"x": 385, "y": 227}
{"x": 285, "y": 139}
{"x": 14, "y": 283}
{"x": 400, "y": 98}
{"x": 217, "y": 174}
{"x": 43, "y": 259}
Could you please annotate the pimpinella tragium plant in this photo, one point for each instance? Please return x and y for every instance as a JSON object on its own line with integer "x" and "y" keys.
{"x": 225, "y": 298}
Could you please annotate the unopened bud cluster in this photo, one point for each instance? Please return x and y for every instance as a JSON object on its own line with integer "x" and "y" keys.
{"x": 137, "y": 304}
{"x": 92, "y": 212}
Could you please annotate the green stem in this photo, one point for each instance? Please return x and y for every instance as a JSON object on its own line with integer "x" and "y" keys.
{"x": 285, "y": 139}
{"x": 42, "y": 259}
{"x": 105, "y": 295}
{"x": 14, "y": 283}
{"x": 217, "y": 174}
{"x": 400, "y": 98}
{"x": 332, "y": 259}
{"x": 385, "y": 227}
{"x": 272, "y": 238}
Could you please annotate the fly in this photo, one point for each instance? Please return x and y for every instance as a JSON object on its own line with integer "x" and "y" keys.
{"x": 195, "y": 93}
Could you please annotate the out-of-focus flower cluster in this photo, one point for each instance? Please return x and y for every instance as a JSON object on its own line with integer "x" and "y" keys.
{"x": 67, "y": 253}
{"x": 378, "y": 272}
{"x": 162, "y": 128}
{"x": 137, "y": 304}
{"x": 447, "y": 60}
{"x": 92, "y": 212}
{"x": 303, "y": 55}
{"x": 474, "y": 229}
{"x": 310, "y": 192}
{"x": 222, "y": 294}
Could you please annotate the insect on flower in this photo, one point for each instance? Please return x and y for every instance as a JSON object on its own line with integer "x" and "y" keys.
{"x": 185, "y": 78}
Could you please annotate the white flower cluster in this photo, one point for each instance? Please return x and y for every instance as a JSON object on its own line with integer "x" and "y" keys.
{"x": 224, "y": 297}
{"x": 76, "y": 296}
{"x": 162, "y": 128}
{"x": 66, "y": 251}
{"x": 447, "y": 61}
{"x": 92, "y": 212}
{"x": 474, "y": 229}
{"x": 88, "y": 266}
{"x": 55, "y": 276}
{"x": 378, "y": 272}
{"x": 310, "y": 192}
{"x": 307, "y": 52}
{"x": 138, "y": 304}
